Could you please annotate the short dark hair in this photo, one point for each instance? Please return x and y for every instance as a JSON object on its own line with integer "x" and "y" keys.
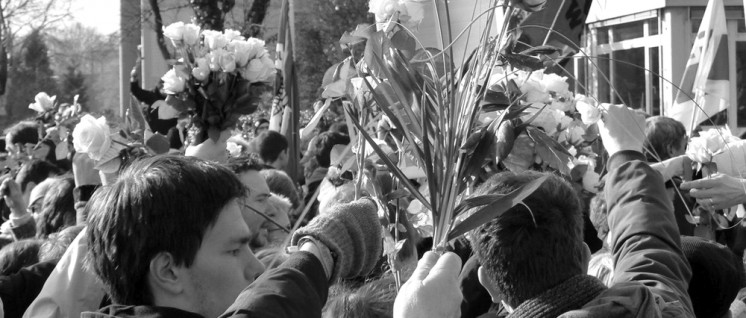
{"x": 245, "y": 162}
{"x": 271, "y": 144}
{"x": 36, "y": 171}
{"x": 372, "y": 299}
{"x": 258, "y": 123}
{"x": 25, "y": 132}
{"x": 17, "y": 255}
{"x": 57, "y": 243}
{"x": 158, "y": 204}
{"x": 660, "y": 133}
{"x": 535, "y": 245}
{"x": 57, "y": 208}
{"x": 280, "y": 183}
{"x": 324, "y": 144}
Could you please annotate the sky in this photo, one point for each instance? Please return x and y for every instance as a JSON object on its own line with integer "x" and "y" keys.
{"x": 100, "y": 14}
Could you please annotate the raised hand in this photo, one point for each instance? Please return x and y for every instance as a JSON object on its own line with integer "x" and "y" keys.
{"x": 433, "y": 290}
{"x": 621, "y": 129}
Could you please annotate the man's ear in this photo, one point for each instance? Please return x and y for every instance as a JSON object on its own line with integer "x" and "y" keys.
{"x": 489, "y": 285}
{"x": 165, "y": 276}
{"x": 586, "y": 257}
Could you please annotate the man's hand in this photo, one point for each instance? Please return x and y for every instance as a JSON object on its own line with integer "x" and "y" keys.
{"x": 621, "y": 129}
{"x": 83, "y": 170}
{"x": 673, "y": 167}
{"x": 13, "y": 196}
{"x": 718, "y": 192}
{"x": 433, "y": 290}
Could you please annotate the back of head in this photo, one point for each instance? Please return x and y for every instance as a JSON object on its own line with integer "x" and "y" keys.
{"x": 245, "y": 162}
{"x": 57, "y": 208}
{"x": 374, "y": 299}
{"x": 25, "y": 132}
{"x": 17, "y": 255}
{"x": 717, "y": 276}
{"x": 535, "y": 245}
{"x": 279, "y": 182}
{"x": 56, "y": 244}
{"x": 271, "y": 145}
{"x": 661, "y": 134}
{"x": 324, "y": 144}
{"x": 158, "y": 204}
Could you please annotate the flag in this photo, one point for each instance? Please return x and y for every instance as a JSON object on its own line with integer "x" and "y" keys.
{"x": 705, "y": 86}
{"x": 285, "y": 105}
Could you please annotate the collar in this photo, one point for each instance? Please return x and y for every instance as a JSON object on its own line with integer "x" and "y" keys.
{"x": 569, "y": 295}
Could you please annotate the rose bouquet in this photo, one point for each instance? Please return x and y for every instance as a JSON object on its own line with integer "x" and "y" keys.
{"x": 217, "y": 78}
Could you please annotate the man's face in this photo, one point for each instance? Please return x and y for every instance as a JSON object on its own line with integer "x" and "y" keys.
{"x": 270, "y": 233}
{"x": 257, "y": 199}
{"x": 224, "y": 264}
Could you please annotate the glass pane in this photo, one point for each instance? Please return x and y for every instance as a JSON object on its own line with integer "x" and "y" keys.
{"x": 628, "y": 31}
{"x": 721, "y": 118}
{"x": 629, "y": 77}
{"x": 602, "y": 35}
{"x": 655, "y": 80}
{"x": 741, "y": 82}
{"x": 580, "y": 84}
{"x": 695, "y": 25}
{"x": 652, "y": 26}
{"x": 602, "y": 73}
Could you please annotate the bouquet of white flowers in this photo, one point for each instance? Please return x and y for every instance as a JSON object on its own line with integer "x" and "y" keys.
{"x": 217, "y": 77}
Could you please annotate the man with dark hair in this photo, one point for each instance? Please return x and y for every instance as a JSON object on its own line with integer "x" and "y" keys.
{"x": 247, "y": 167}
{"x": 21, "y": 139}
{"x": 273, "y": 149}
{"x": 664, "y": 138}
{"x": 168, "y": 240}
{"x": 169, "y": 233}
{"x": 533, "y": 258}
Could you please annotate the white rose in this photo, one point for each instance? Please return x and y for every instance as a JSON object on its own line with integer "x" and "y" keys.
{"x": 202, "y": 71}
{"x": 91, "y": 136}
{"x": 191, "y": 34}
{"x": 231, "y": 35}
{"x": 173, "y": 82}
{"x": 43, "y": 103}
{"x": 384, "y": 9}
{"x": 532, "y": 86}
{"x": 697, "y": 150}
{"x": 590, "y": 178}
{"x": 548, "y": 119}
{"x": 555, "y": 83}
{"x": 416, "y": 10}
{"x": 233, "y": 149}
{"x": 589, "y": 112}
{"x": 228, "y": 62}
{"x": 258, "y": 70}
{"x": 175, "y": 32}
{"x": 213, "y": 59}
{"x": 214, "y": 39}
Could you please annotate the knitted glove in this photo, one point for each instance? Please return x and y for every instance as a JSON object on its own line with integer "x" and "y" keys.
{"x": 352, "y": 233}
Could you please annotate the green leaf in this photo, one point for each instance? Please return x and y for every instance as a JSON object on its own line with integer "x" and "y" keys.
{"x": 404, "y": 42}
{"x": 505, "y": 139}
{"x": 494, "y": 100}
{"x": 542, "y": 49}
{"x": 390, "y": 164}
{"x": 495, "y": 208}
{"x": 524, "y": 62}
{"x": 398, "y": 194}
{"x": 551, "y": 151}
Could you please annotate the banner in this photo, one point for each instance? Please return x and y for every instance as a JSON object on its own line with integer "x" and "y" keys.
{"x": 705, "y": 86}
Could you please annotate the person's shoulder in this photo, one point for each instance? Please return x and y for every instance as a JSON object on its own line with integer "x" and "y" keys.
{"x": 122, "y": 311}
{"x": 629, "y": 299}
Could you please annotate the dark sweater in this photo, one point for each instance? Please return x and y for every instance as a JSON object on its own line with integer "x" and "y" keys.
{"x": 18, "y": 290}
{"x": 151, "y": 115}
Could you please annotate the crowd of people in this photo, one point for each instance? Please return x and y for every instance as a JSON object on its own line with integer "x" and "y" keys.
{"x": 170, "y": 235}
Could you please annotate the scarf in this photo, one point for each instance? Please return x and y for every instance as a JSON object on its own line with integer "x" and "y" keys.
{"x": 569, "y": 295}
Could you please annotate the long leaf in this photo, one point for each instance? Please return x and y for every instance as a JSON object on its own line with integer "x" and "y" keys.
{"x": 495, "y": 209}
{"x": 551, "y": 151}
{"x": 392, "y": 167}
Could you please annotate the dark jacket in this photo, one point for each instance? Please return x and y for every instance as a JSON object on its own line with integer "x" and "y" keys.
{"x": 651, "y": 275}
{"x": 18, "y": 290}
{"x": 298, "y": 288}
{"x": 151, "y": 115}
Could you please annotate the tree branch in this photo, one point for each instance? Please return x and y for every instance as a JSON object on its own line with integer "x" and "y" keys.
{"x": 159, "y": 30}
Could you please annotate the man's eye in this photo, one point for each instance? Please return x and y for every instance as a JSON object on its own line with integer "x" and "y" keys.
{"x": 236, "y": 252}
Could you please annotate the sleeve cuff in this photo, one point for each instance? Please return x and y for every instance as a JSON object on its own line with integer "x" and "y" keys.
{"x": 83, "y": 193}
{"x": 18, "y": 221}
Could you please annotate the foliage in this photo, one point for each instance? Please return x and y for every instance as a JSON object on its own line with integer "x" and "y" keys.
{"x": 319, "y": 25}
{"x": 73, "y": 83}
{"x": 32, "y": 74}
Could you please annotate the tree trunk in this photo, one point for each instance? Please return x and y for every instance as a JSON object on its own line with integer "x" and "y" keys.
{"x": 210, "y": 13}
{"x": 159, "y": 30}
{"x": 255, "y": 17}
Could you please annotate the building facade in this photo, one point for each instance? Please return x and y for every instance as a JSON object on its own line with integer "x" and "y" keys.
{"x": 635, "y": 52}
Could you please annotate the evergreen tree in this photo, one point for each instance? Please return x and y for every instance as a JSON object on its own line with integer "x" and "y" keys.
{"x": 73, "y": 83}
{"x": 29, "y": 75}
